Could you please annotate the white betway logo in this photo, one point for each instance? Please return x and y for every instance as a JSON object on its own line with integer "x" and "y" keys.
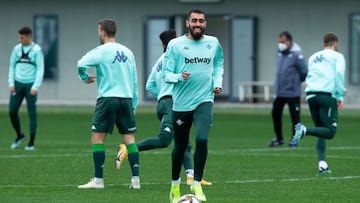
{"x": 197, "y": 60}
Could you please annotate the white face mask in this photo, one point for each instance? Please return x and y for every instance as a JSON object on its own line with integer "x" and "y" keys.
{"x": 282, "y": 46}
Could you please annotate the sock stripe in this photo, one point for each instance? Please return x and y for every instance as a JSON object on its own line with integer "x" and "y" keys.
{"x": 132, "y": 148}
{"x": 98, "y": 147}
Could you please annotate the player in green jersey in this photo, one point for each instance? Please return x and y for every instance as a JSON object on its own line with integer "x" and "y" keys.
{"x": 194, "y": 64}
{"x": 116, "y": 77}
{"x": 156, "y": 86}
{"x": 325, "y": 90}
{"x": 26, "y": 74}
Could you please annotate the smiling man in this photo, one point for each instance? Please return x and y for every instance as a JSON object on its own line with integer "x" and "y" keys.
{"x": 194, "y": 64}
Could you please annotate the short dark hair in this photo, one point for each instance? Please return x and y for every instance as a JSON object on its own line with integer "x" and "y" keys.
{"x": 330, "y": 38}
{"x": 108, "y": 26}
{"x": 25, "y": 31}
{"x": 287, "y": 35}
{"x": 196, "y": 10}
{"x": 166, "y": 36}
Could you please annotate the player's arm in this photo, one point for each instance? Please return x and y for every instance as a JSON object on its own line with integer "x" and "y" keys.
{"x": 151, "y": 82}
{"x": 135, "y": 98}
{"x": 39, "y": 61}
{"x": 11, "y": 78}
{"x": 169, "y": 74}
{"x": 339, "y": 78}
{"x": 89, "y": 60}
{"x": 218, "y": 69}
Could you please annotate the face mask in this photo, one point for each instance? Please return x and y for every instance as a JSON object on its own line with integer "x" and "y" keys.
{"x": 282, "y": 46}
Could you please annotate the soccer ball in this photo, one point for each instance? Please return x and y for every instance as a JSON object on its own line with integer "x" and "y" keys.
{"x": 188, "y": 198}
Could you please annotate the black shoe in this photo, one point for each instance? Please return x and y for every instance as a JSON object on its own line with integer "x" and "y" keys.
{"x": 276, "y": 143}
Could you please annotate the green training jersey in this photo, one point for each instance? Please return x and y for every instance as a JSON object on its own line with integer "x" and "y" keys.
{"x": 204, "y": 59}
{"x": 155, "y": 85}
{"x": 26, "y": 65}
{"x": 116, "y": 74}
{"x": 326, "y": 73}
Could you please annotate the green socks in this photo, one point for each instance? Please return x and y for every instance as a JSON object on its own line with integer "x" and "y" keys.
{"x": 98, "y": 151}
{"x": 133, "y": 156}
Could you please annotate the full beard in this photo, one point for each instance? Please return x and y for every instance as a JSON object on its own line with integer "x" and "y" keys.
{"x": 197, "y": 35}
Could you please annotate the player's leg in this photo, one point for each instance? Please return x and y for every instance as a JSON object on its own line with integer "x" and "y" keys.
{"x": 326, "y": 119}
{"x": 182, "y": 122}
{"x": 98, "y": 152}
{"x": 188, "y": 165}
{"x": 189, "y": 169}
{"x": 276, "y": 113}
{"x": 321, "y": 149}
{"x": 165, "y": 136}
{"x": 31, "y": 108}
{"x": 203, "y": 118}
{"x": 134, "y": 159}
{"x": 320, "y": 143}
{"x": 16, "y": 99}
{"x": 102, "y": 123}
{"x": 125, "y": 122}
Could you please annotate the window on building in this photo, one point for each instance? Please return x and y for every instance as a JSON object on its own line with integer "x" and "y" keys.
{"x": 354, "y": 69}
{"x": 46, "y": 35}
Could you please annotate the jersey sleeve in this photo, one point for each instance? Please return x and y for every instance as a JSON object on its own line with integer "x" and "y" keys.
{"x": 39, "y": 69}
{"x": 339, "y": 78}
{"x": 151, "y": 83}
{"x": 11, "y": 78}
{"x": 135, "y": 99}
{"x": 169, "y": 75}
{"x": 89, "y": 60}
{"x": 218, "y": 67}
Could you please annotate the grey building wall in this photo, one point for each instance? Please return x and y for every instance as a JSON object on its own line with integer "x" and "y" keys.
{"x": 306, "y": 20}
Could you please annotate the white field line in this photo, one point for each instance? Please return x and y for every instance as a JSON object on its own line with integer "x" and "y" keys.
{"x": 251, "y": 152}
{"x": 317, "y": 178}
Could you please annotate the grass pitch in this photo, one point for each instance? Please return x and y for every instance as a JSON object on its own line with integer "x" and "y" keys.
{"x": 240, "y": 165}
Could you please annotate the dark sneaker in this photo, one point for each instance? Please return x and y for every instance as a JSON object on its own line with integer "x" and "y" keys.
{"x": 276, "y": 143}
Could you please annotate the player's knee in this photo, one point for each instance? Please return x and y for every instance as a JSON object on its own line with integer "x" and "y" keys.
{"x": 165, "y": 141}
{"x": 332, "y": 133}
{"x": 165, "y": 138}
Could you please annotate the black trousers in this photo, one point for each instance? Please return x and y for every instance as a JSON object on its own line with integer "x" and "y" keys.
{"x": 277, "y": 112}
{"x": 22, "y": 90}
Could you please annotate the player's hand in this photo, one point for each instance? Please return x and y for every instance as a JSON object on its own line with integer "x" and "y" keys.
{"x": 340, "y": 104}
{"x": 33, "y": 92}
{"x": 217, "y": 90}
{"x": 185, "y": 75}
{"x": 91, "y": 79}
{"x": 12, "y": 89}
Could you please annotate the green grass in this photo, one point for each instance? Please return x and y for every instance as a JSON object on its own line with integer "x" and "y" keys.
{"x": 241, "y": 166}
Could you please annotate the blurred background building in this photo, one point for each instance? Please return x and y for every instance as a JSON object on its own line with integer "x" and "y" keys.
{"x": 247, "y": 29}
